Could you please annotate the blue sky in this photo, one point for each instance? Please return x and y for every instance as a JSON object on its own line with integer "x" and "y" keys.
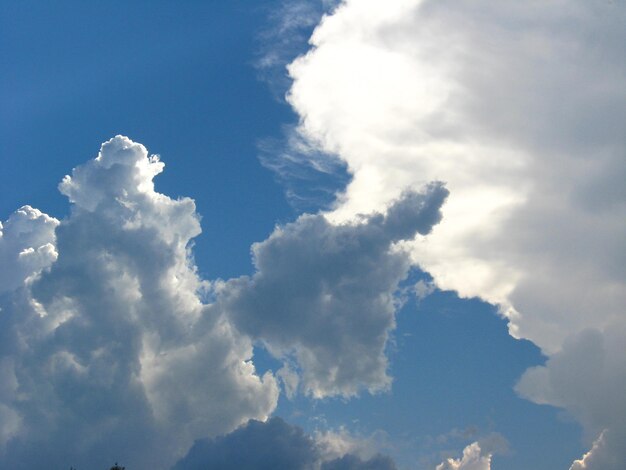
{"x": 464, "y": 326}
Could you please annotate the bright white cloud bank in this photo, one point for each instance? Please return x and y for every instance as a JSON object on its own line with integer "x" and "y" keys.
{"x": 520, "y": 108}
{"x": 110, "y": 350}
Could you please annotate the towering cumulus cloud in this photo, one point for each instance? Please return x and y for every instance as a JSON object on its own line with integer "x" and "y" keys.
{"x": 520, "y": 108}
{"x": 108, "y": 352}
{"x": 109, "y": 349}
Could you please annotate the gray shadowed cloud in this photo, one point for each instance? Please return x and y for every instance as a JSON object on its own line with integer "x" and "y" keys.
{"x": 107, "y": 350}
{"x": 322, "y": 297}
{"x": 272, "y": 445}
{"x": 588, "y": 378}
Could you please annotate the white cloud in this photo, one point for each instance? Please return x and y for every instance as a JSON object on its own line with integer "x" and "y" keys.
{"x": 336, "y": 443}
{"x": 520, "y": 108}
{"x": 109, "y": 352}
{"x": 323, "y": 294}
{"x": 472, "y": 459}
{"x": 26, "y": 246}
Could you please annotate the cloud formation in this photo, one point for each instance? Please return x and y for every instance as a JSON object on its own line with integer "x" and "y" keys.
{"x": 520, "y": 108}
{"x": 109, "y": 352}
{"x": 26, "y": 246}
{"x": 472, "y": 459}
{"x": 588, "y": 378}
{"x": 396, "y": 92}
{"x": 110, "y": 347}
{"x": 323, "y": 295}
{"x": 272, "y": 445}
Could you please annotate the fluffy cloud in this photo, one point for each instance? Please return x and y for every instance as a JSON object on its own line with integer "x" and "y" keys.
{"x": 26, "y": 246}
{"x": 323, "y": 294}
{"x": 109, "y": 352}
{"x": 272, "y": 445}
{"x": 472, "y": 459}
{"x": 108, "y": 349}
{"x": 520, "y": 109}
{"x": 588, "y": 378}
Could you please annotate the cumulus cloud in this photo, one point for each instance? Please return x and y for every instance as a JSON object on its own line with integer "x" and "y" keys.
{"x": 257, "y": 445}
{"x": 605, "y": 454}
{"x": 323, "y": 294}
{"x": 520, "y": 108}
{"x": 271, "y": 445}
{"x": 109, "y": 352}
{"x": 588, "y": 378}
{"x": 337, "y": 443}
{"x": 472, "y": 459}
{"x": 108, "y": 348}
{"x": 26, "y": 246}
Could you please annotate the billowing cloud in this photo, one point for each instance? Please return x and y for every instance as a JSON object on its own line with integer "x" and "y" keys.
{"x": 605, "y": 454}
{"x": 110, "y": 347}
{"x": 271, "y": 445}
{"x": 588, "y": 378}
{"x": 323, "y": 294}
{"x": 472, "y": 459}
{"x": 109, "y": 352}
{"x": 26, "y": 246}
{"x": 520, "y": 109}
{"x": 257, "y": 445}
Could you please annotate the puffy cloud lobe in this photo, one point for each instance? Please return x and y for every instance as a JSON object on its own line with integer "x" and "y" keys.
{"x": 340, "y": 445}
{"x": 27, "y": 245}
{"x": 472, "y": 459}
{"x": 323, "y": 294}
{"x": 604, "y": 454}
{"x": 121, "y": 171}
{"x": 271, "y": 445}
{"x": 110, "y": 352}
{"x": 588, "y": 378}
{"x": 519, "y": 108}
